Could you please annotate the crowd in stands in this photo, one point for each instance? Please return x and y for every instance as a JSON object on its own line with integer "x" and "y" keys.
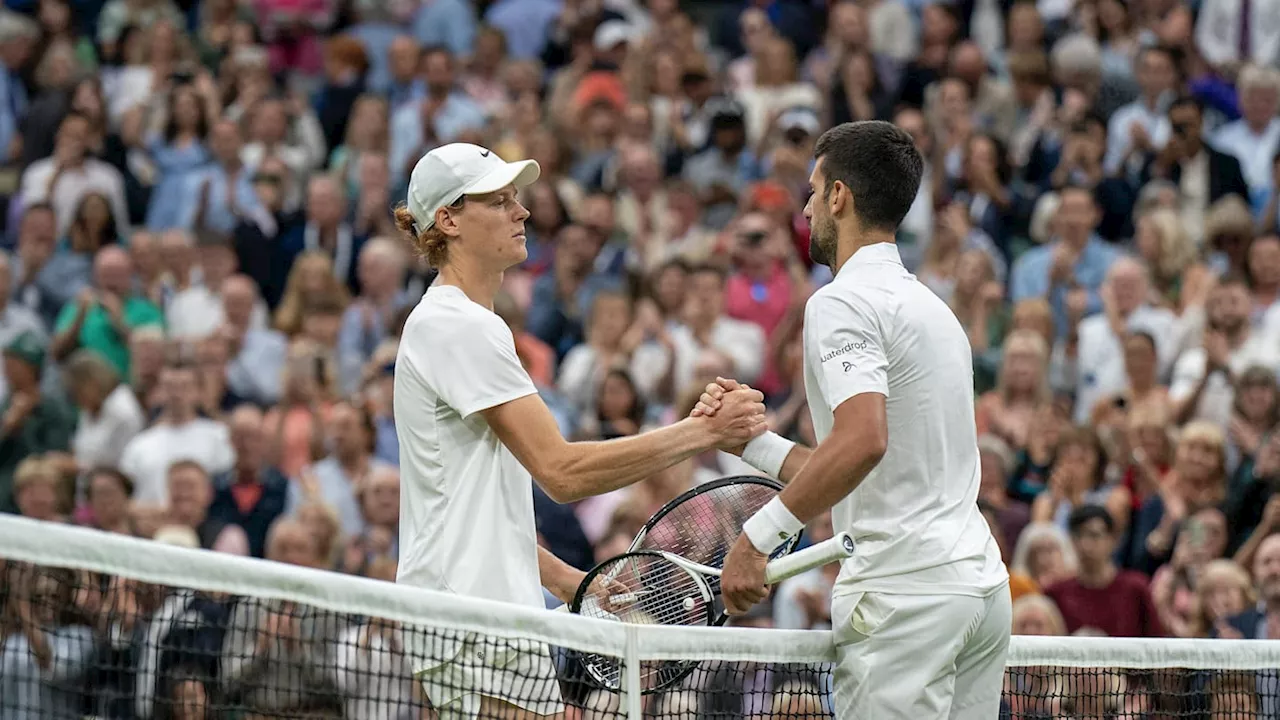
{"x": 202, "y": 287}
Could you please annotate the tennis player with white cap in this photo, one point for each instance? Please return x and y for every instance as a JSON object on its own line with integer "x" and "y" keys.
{"x": 474, "y": 434}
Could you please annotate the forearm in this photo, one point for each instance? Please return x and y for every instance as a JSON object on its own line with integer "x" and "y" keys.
{"x": 1244, "y": 556}
{"x": 795, "y": 462}
{"x": 584, "y": 469}
{"x": 558, "y": 576}
{"x": 826, "y": 476}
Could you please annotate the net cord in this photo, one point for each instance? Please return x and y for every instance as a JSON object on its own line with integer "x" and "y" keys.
{"x": 72, "y": 547}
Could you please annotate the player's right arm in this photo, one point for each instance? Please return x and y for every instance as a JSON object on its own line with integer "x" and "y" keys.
{"x": 476, "y": 370}
{"x": 571, "y": 471}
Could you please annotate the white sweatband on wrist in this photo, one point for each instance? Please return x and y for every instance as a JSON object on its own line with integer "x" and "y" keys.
{"x": 772, "y": 525}
{"x": 767, "y": 453}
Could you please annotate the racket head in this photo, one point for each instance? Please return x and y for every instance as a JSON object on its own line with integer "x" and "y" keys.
{"x": 701, "y": 524}
{"x": 644, "y": 588}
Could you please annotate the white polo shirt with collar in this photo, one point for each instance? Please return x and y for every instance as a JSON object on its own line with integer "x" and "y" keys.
{"x": 875, "y": 328}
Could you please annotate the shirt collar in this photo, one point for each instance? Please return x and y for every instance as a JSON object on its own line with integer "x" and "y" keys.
{"x": 885, "y": 252}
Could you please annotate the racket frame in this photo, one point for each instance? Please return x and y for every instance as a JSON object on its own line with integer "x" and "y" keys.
{"x": 837, "y": 548}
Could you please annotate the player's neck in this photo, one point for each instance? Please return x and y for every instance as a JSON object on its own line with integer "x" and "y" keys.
{"x": 850, "y": 241}
{"x": 479, "y": 284}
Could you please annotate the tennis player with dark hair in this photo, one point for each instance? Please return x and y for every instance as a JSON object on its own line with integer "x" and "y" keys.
{"x": 921, "y": 612}
{"x": 474, "y": 434}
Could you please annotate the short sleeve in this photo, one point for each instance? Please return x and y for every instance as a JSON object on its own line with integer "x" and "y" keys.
{"x": 848, "y": 347}
{"x": 478, "y": 368}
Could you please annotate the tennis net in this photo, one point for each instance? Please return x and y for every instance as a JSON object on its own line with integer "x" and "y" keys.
{"x": 104, "y": 626}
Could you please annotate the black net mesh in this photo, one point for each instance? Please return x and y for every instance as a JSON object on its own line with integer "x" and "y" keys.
{"x": 80, "y": 644}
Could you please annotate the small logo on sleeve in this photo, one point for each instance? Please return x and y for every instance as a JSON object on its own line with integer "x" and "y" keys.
{"x": 847, "y": 366}
{"x": 844, "y": 350}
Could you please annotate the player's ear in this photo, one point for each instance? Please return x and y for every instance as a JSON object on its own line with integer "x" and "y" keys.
{"x": 840, "y": 200}
{"x": 447, "y": 221}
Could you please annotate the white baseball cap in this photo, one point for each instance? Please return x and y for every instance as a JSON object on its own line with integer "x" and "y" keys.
{"x": 451, "y": 171}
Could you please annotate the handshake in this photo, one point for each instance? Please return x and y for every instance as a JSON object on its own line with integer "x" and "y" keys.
{"x": 732, "y": 413}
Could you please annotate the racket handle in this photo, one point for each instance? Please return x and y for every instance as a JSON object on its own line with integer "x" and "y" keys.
{"x": 837, "y": 548}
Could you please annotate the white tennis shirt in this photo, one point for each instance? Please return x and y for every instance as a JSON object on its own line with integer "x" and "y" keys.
{"x": 466, "y": 504}
{"x": 876, "y": 329}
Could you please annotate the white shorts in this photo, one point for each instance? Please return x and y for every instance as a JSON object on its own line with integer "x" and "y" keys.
{"x": 920, "y": 657}
{"x": 519, "y": 672}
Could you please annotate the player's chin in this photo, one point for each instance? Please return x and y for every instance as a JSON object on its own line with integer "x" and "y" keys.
{"x": 519, "y": 250}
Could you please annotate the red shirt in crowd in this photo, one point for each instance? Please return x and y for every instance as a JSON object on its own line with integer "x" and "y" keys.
{"x": 1122, "y": 609}
{"x": 765, "y": 303}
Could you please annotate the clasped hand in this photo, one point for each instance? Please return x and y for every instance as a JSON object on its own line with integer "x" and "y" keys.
{"x": 738, "y": 417}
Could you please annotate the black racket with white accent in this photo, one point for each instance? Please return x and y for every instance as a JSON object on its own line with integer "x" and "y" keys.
{"x": 702, "y": 524}
{"x": 650, "y": 587}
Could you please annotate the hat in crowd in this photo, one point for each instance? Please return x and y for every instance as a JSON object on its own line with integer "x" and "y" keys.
{"x": 802, "y": 118}
{"x": 27, "y": 347}
{"x": 444, "y": 175}
{"x": 600, "y": 86}
{"x": 610, "y": 34}
{"x": 724, "y": 110}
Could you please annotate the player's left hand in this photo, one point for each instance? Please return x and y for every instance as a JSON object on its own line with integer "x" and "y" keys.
{"x": 742, "y": 579}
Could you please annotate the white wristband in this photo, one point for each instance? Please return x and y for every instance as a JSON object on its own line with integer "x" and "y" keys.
{"x": 767, "y": 453}
{"x": 772, "y": 525}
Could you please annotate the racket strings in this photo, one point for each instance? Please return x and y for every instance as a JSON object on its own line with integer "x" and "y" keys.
{"x": 704, "y": 527}
{"x": 645, "y": 590}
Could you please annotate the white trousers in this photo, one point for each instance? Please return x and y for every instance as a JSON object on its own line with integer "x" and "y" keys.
{"x": 920, "y": 657}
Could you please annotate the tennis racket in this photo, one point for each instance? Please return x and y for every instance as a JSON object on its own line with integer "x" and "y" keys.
{"x": 651, "y": 587}
{"x": 702, "y": 524}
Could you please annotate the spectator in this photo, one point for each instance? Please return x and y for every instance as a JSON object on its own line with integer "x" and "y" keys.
{"x": 296, "y": 426}
{"x": 220, "y": 192}
{"x": 707, "y": 335}
{"x": 1142, "y": 126}
{"x": 265, "y": 673}
{"x": 1022, "y": 390}
{"x": 103, "y": 317}
{"x": 1101, "y": 596}
{"x": 109, "y": 414}
{"x": 442, "y": 114}
{"x": 366, "y": 323}
{"x": 65, "y": 178}
{"x": 54, "y": 641}
{"x": 256, "y": 354}
{"x": 1044, "y": 554}
{"x": 31, "y": 422}
{"x": 107, "y": 494}
{"x": 1201, "y": 387}
{"x": 1070, "y": 270}
{"x": 340, "y": 478}
{"x": 1100, "y": 357}
{"x": 190, "y": 494}
{"x": 178, "y": 434}
{"x": 252, "y": 494}
{"x": 39, "y": 490}
{"x": 1187, "y": 161}
{"x": 1196, "y": 481}
{"x": 1260, "y": 623}
{"x": 1254, "y": 139}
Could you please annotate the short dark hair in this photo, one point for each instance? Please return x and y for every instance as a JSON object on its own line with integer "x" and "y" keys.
{"x": 1087, "y": 513}
{"x": 1187, "y": 101}
{"x": 1173, "y": 54}
{"x": 879, "y": 163}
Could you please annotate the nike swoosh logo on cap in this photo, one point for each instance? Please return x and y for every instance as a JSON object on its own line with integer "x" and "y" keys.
{"x": 484, "y": 153}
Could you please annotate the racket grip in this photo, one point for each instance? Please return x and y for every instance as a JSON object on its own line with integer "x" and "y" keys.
{"x": 837, "y": 548}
